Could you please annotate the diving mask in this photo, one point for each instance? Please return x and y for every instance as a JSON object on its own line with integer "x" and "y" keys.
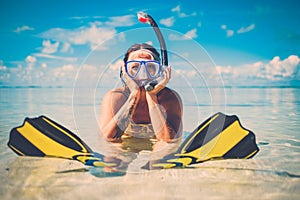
{"x": 143, "y": 71}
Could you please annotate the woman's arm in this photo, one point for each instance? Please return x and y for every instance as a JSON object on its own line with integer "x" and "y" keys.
{"x": 115, "y": 113}
{"x": 166, "y": 118}
{"x": 116, "y": 109}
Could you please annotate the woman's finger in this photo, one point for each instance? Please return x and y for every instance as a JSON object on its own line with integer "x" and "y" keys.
{"x": 168, "y": 72}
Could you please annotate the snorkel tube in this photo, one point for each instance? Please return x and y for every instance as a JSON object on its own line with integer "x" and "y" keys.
{"x": 145, "y": 18}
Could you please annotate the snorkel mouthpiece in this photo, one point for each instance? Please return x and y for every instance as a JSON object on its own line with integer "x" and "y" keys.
{"x": 150, "y": 86}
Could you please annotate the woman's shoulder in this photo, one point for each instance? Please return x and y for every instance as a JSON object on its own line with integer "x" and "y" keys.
{"x": 168, "y": 93}
{"x": 119, "y": 90}
{"x": 117, "y": 93}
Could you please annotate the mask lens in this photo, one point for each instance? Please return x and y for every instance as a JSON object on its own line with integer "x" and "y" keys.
{"x": 132, "y": 68}
{"x": 153, "y": 68}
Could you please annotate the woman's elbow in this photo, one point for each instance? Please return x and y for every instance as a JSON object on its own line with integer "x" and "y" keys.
{"x": 110, "y": 136}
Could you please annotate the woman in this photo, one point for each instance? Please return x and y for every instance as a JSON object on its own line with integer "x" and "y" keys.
{"x": 131, "y": 111}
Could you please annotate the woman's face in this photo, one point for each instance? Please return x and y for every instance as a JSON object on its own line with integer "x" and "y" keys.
{"x": 141, "y": 71}
{"x": 138, "y": 55}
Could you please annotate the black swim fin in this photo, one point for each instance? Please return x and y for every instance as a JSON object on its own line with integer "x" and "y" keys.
{"x": 43, "y": 137}
{"x": 219, "y": 137}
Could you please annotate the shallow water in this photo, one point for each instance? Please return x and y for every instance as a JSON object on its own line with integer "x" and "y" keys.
{"x": 273, "y": 114}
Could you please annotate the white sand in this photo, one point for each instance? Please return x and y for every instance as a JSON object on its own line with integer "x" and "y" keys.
{"x": 37, "y": 178}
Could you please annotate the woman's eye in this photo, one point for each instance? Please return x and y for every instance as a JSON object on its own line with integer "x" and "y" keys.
{"x": 134, "y": 67}
{"x": 151, "y": 66}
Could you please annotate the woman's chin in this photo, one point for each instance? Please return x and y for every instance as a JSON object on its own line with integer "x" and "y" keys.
{"x": 142, "y": 83}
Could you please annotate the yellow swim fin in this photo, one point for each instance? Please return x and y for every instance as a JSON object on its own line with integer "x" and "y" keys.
{"x": 219, "y": 137}
{"x": 43, "y": 137}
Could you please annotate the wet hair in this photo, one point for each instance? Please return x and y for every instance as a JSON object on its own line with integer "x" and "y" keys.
{"x": 136, "y": 47}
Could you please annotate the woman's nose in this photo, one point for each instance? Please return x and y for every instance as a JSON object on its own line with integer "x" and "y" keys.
{"x": 143, "y": 73}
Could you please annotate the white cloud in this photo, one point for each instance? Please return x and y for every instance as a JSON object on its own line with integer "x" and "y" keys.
{"x": 66, "y": 47}
{"x": 49, "y": 48}
{"x": 174, "y": 37}
{"x": 274, "y": 70}
{"x": 186, "y": 73}
{"x": 92, "y": 36}
{"x": 3, "y": 68}
{"x": 65, "y": 71}
{"x": 80, "y": 17}
{"x": 187, "y": 15}
{"x": 30, "y": 59}
{"x": 114, "y": 21}
{"x": 116, "y": 65}
{"x": 64, "y": 75}
{"x": 90, "y": 75}
{"x": 191, "y": 34}
{"x": 23, "y": 28}
{"x": 121, "y": 21}
{"x": 230, "y": 32}
{"x": 91, "y": 68}
{"x": 30, "y": 73}
{"x": 247, "y": 29}
{"x": 177, "y": 9}
{"x": 281, "y": 69}
{"x": 4, "y": 73}
{"x": 121, "y": 37}
{"x": 44, "y": 65}
{"x": 168, "y": 21}
{"x": 187, "y": 36}
{"x": 69, "y": 59}
{"x": 149, "y": 42}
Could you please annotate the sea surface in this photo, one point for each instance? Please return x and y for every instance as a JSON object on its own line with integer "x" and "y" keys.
{"x": 273, "y": 114}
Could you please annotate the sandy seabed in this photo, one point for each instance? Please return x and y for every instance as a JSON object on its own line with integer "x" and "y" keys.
{"x": 52, "y": 178}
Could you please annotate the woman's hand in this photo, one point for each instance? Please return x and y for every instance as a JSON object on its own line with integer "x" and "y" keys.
{"x": 131, "y": 84}
{"x": 162, "y": 84}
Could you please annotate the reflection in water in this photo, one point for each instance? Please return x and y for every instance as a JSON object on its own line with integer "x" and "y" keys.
{"x": 134, "y": 154}
{"x": 103, "y": 172}
{"x": 99, "y": 172}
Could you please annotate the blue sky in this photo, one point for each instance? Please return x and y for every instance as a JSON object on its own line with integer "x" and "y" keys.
{"x": 232, "y": 42}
